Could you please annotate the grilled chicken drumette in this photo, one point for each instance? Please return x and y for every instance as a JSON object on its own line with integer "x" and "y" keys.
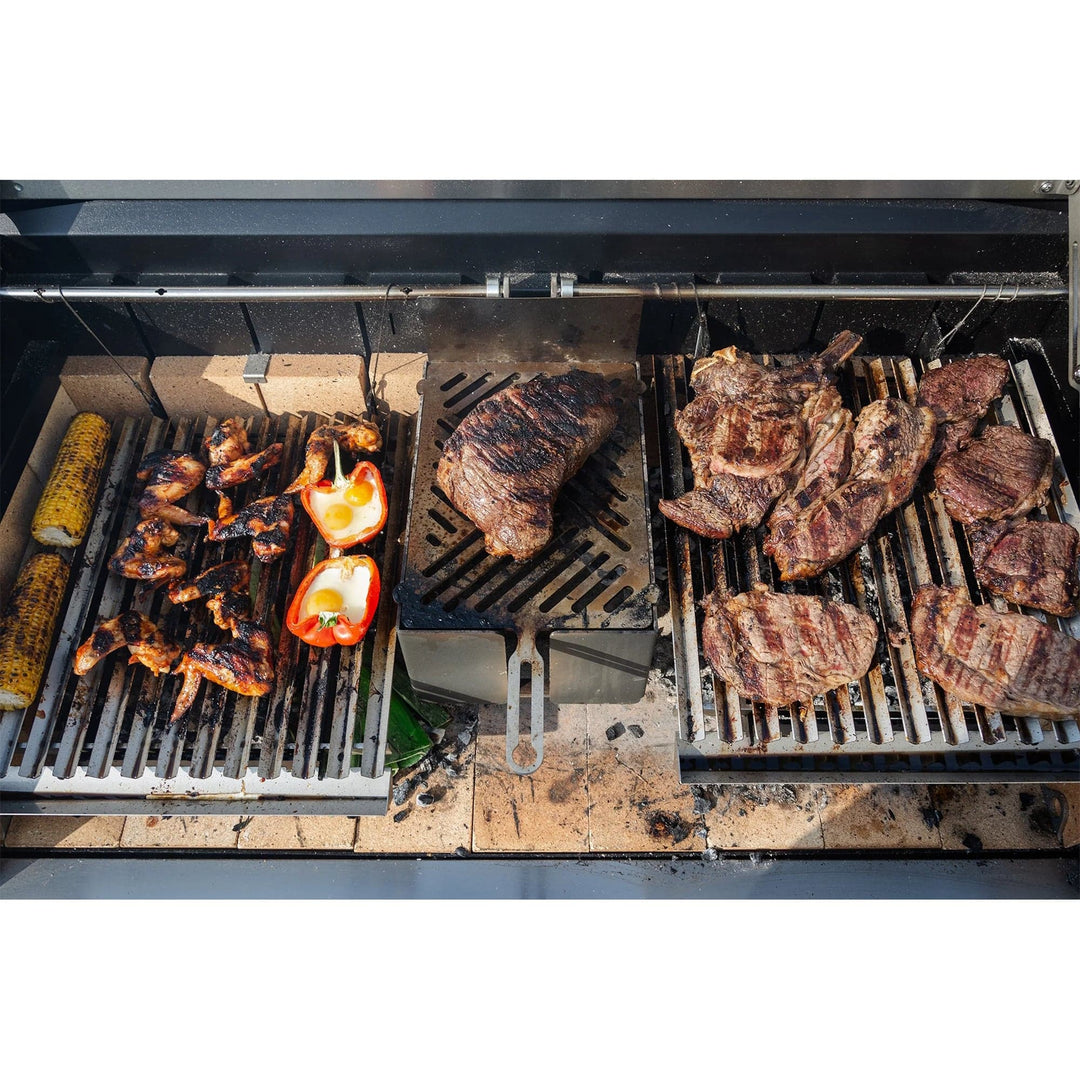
{"x": 231, "y": 461}
{"x": 146, "y": 643}
{"x": 231, "y": 576}
{"x": 140, "y": 556}
{"x": 169, "y": 476}
{"x": 245, "y": 665}
{"x": 266, "y": 521}
{"x": 361, "y": 437}
{"x": 223, "y": 587}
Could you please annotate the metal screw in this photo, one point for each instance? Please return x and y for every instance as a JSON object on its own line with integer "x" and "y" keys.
{"x": 17, "y": 187}
{"x": 1046, "y": 187}
{"x": 1069, "y": 185}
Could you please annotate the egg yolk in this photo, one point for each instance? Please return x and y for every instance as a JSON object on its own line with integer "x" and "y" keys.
{"x": 324, "y": 600}
{"x": 337, "y": 516}
{"x": 360, "y": 493}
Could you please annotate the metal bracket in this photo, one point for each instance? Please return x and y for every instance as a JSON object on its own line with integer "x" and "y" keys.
{"x": 566, "y": 284}
{"x": 256, "y": 367}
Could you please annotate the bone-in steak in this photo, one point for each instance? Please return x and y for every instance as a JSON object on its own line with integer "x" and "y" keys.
{"x": 1009, "y": 662}
{"x": 1028, "y": 562}
{"x": 508, "y": 459}
{"x": 779, "y": 648}
{"x": 892, "y": 442}
{"x": 1002, "y": 474}
{"x": 960, "y": 393}
{"x": 747, "y": 432}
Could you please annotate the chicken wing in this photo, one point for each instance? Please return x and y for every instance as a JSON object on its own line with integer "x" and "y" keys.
{"x": 146, "y": 643}
{"x": 266, "y": 521}
{"x": 361, "y": 437}
{"x": 245, "y": 665}
{"x": 223, "y": 587}
{"x": 169, "y": 476}
{"x": 232, "y": 473}
{"x": 140, "y": 556}
{"x": 231, "y": 576}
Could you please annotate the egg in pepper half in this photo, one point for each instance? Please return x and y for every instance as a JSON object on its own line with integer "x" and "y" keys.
{"x": 336, "y": 601}
{"x": 347, "y": 510}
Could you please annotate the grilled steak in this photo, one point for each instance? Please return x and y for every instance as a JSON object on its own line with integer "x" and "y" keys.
{"x": 728, "y": 504}
{"x": 778, "y": 648}
{"x": 1002, "y": 474}
{"x": 826, "y": 463}
{"x": 508, "y": 459}
{"x": 747, "y": 432}
{"x": 960, "y": 393}
{"x": 1012, "y": 663}
{"x": 1028, "y": 562}
{"x": 892, "y": 442}
{"x": 735, "y": 376}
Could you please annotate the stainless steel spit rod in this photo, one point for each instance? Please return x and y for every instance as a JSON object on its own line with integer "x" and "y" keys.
{"x": 658, "y": 291}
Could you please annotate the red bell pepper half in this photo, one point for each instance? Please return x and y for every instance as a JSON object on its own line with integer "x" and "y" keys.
{"x": 347, "y": 510}
{"x": 335, "y": 602}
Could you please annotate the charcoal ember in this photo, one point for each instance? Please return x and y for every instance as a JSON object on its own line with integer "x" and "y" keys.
{"x": 637, "y": 731}
{"x": 425, "y": 798}
{"x": 616, "y": 729}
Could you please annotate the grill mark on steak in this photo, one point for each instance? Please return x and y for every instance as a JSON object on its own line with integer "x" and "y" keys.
{"x": 892, "y": 442}
{"x": 959, "y": 394}
{"x": 781, "y": 648}
{"x": 1004, "y": 473}
{"x": 506, "y": 462}
{"x": 1028, "y": 562}
{"x": 1009, "y": 662}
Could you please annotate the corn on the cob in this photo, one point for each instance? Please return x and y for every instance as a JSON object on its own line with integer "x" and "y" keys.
{"x": 26, "y": 627}
{"x": 63, "y": 512}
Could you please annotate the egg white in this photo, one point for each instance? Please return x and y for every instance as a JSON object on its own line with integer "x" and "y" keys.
{"x": 364, "y": 517}
{"x": 353, "y": 589}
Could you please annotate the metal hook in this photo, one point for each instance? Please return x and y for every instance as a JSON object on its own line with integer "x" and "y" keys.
{"x": 948, "y": 337}
{"x": 703, "y": 325}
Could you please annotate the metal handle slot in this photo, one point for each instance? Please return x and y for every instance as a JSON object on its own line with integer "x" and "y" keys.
{"x": 526, "y": 654}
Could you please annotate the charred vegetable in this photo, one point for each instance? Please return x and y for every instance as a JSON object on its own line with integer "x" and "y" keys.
{"x": 63, "y": 512}
{"x": 26, "y": 628}
{"x": 347, "y": 510}
{"x": 335, "y": 602}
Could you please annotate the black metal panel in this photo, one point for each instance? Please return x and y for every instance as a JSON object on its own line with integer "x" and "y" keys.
{"x": 588, "y": 237}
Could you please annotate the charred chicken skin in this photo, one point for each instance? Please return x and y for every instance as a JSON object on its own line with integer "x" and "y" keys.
{"x": 146, "y": 643}
{"x": 231, "y": 461}
{"x": 361, "y": 437}
{"x": 223, "y": 587}
{"x": 231, "y": 576}
{"x": 244, "y": 665}
{"x": 266, "y": 521}
{"x": 140, "y": 556}
{"x": 169, "y": 475}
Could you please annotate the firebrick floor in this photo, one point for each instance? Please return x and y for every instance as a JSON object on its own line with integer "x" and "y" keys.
{"x": 608, "y": 784}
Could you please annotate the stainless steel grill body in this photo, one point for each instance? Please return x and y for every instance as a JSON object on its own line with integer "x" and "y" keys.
{"x": 894, "y": 720}
{"x": 106, "y": 737}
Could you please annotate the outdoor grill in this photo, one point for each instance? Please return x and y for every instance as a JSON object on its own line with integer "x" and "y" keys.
{"x": 493, "y": 288}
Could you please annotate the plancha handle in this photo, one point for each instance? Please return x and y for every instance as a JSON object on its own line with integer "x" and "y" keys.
{"x": 526, "y": 652}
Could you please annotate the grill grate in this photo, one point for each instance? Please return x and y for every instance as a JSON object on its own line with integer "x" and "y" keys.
{"x": 893, "y": 720}
{"x": 597, "y": 570}
{"x": 107, "y": 734}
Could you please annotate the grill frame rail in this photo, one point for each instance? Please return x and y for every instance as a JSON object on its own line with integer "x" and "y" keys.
{"x": 894, "y": 725}
{"x": 102, "y": 745}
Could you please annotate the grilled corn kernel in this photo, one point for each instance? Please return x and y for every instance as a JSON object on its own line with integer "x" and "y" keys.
{"x": 63, "y": 513}
{"x": 26, "y": 627}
